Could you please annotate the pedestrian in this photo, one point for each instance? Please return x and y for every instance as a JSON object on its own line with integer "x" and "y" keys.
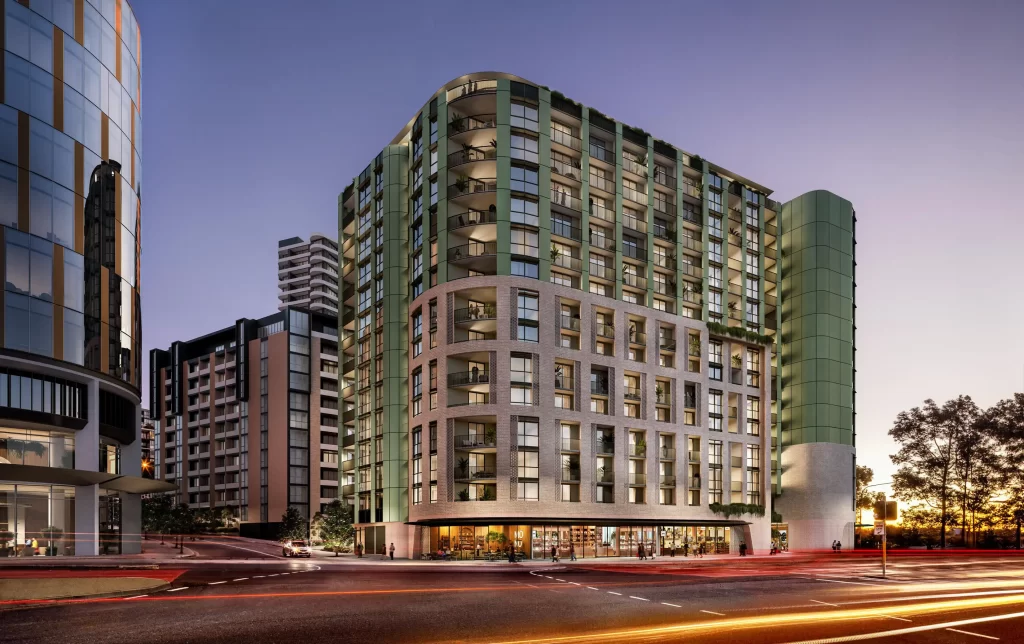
{"x": 35, "y": 547}
{"x": 743, "y": 550}
{"x": 839, "y": 546}
{"x": 833, "y": 545}
{"x": 572, "y": 552}
{"x": 554, "y": 554}
{"x": 512, "y": 554}
{"x": 701, "y": 549}
{"x": 392, "y": 551}
{"x": 640, "y": 552}
{"x": 686, "y": 549}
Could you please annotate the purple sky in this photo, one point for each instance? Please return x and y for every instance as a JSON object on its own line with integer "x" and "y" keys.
{"x": 256, "y": 114}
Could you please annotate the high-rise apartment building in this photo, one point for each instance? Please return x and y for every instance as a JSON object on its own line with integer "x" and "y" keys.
{"x": 146, "y": 431}
{"x": 558, "y": 329}
{"x": 307, "y": 274}
{"x": 71, "y": 323}
{"x": 247, "y": 418}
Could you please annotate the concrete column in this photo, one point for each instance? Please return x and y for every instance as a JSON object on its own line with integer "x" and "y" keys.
{"x": 87, "y": 497}
{"x": 131, "y": 504}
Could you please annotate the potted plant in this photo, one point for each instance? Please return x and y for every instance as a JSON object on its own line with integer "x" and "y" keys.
{"x": 488, "y": 494}
{"x": 494, "y": 143}
{"x": 51, "y": 534}
{"x": 641, "y": 446}
{"x": 462, "y": 184}
{"x": 737, "y": 361}
{"x": 659, "y": 391}
{"x": 464, "y": 495}
{"x": 555, "y": 253}
{"x": 457, "y": 124}
{"x": 600, "y": 474}
{"x": 491, "y": 434}
{"x": 490, "y": 311}
{"x": 5, "y": 538}
{"x": 463, "y": 466}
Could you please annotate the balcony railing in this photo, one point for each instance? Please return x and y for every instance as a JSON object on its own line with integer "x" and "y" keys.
{"x": 605, "y": 330}
{"x": 691, "y": 270}
{"x": 599, "y": 388}
{"x": 635, "y": 195}
{"x": 461, "y": 124}
{"x": 602, "y": 271}
{"x": 665, "y": 261}
{"x": 637, "y": 478}
{"x": 564, "y": 383}
{"x": 468, "y": 378}
{"x": 564, "y": 169}
{"x": 475, "y": 313}
{"x": 631, "y": 393}
{"x": 475, "y": 441}
{"x": 474, "y": 473}
{"x": 667, "y": 480}
{"x": 634, "y": 252}
{"x": 664, "y": 398}
{"x": 471, "y": 250}
{"x": 566, "y": 139}
{"x": 570, "y": 323}
{"x": 601, "y": 212}
{"x": 634, "y": 223}
{"x": 602, "y": 153}
{"x": 664, "y": 230}
{"x": 471, "y": 186}
{"x": 637, "y": 449}
{"x": 602, "y": 241}
{"x": 661, "y": 177}
{"x": 629, "y": 164}
{"x": 634, "y": 280}
{"x": 637, "y": 337}
{"x": 566, "y": 200}
{"x": 604, "y": 476}
{"x": 667, "y": 453}
{"x": 665, "y": 287}
{"x": 692, "y": 217}
{"x": 602, "y": 182}
{"x": 667, "y": 344}
{"x": 470, "y": 155}
{"x": 567, "y": 230}
{"x": 694, "y": 482}
{"x": 570, "y": 475}
{"x": 694, "y": 456}
{"x": 472, "y": 88}
{"x": 570, "y": 444}
{"x": 691, "y": 190}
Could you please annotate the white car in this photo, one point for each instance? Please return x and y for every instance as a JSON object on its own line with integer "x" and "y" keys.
{"x": 296, "y": 549}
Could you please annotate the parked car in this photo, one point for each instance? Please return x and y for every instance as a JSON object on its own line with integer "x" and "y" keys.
{"x": 296, "y": 548}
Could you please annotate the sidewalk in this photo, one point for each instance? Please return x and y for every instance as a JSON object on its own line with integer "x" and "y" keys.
{"x": 27, "y": 586}
{"x": 154, "y": 554}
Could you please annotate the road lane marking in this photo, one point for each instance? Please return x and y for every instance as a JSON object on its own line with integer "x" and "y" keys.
{"x": 241, "y": 579}
{"x": 137, "y": 596}
{"x": 825, "y": 603}
{"x": 591, "y": 588}
{"x": 912, "y": 629}
{"x": 956, "y": 630}
{"x": 612, "y": 592}
{"x": 840, "y": 581}
{"x": 574, "y": 583}
{"x": 274, "y": 575}
{"x": 902, "y": 619}
{"x": 711, "y": 612}
{"x": 561, "y": 580}
{"x": 214, "y": 583}
{"x": 640, "y": 598}
{"x": 174, "y": 590}
{"x": 672, "y": 605}
{"x": 257, "y": 576}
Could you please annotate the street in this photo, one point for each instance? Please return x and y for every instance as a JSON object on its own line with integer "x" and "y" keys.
{"x": 237, "y": 591}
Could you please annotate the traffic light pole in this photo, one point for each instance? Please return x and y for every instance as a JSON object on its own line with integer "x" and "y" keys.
{"x": 885, "y": 526}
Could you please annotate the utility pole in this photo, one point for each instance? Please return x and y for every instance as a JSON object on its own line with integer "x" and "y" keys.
{"x": 884, "y": 521}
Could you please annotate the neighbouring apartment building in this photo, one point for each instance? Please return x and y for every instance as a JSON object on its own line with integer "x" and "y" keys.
{"x": 246, "y": 418}
{"x": 146, "y": 437}
{"x": 307, "y": 274}
{"x": 558, "y": 329}
{"x": 71, "y": 320}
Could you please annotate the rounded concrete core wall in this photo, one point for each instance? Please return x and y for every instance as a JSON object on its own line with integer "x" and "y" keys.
{"x": 817, "y": 497}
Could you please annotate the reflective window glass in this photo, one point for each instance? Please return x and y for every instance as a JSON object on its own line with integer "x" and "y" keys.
{"x": 91, "y": 30}
{"x": 74, "y": 337}
{"x": 8, "y": 134}
{"x": 63, "y": 216}
{"x": 17, "y": 261}
{"x": 64, "y": 16}
{"x": 41, "y": 207}
{"x": 92, "y": 72}
{"x": 74, "y": 281}
{"x": 42, "y": 327}
{"x": 74, "y": 119}
{"x": 41, "y": 148}
{"x": 8, "y": 195}
{"x": 41, "y": 270}
{"x": 73, "y": 63}
{"x": 17, "y": 322}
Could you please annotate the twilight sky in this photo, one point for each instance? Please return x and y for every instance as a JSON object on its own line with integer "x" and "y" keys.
{"x": 257, "y": 113}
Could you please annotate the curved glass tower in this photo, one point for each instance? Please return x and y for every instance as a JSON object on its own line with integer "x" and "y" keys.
{"x": 70, "y": 362}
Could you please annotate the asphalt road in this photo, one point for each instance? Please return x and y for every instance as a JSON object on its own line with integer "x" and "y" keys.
{"x": 243, "y": 592}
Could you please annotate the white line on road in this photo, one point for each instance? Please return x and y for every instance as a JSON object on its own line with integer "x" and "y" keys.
{"x": 274, "y": 575}
{"x": 137, "y": 596}
{"x": 561, "y": 580}
{"x": 241, "y": 579}
{"x": 574, "y": 583}
{"x": 902, "y": 619}
{"x": 257, "y": 576}
{"x": 672, "y": 605}
{"x": 174, "y": 590}
{"x": 913, "y": 629}
{"x": 825, "y": 603}
{"x": 711, "y": 612}
{"x": 612, "y": 592}
{"x": 956, "y": 630}
{"x": 214, "y": 583}
{"x": 640, "y": 598}
{"x": 591, "y": 588}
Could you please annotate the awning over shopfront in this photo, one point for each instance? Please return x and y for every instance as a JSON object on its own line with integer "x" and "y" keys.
{"x": 483, "y": 521}
{"x": 64, "y": 476}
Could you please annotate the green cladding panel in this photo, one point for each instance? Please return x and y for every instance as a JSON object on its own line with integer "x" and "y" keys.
{"x": 817, "y": 319}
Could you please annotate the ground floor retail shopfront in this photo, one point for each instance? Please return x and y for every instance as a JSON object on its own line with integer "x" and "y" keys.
{"x": 535, "y": 541}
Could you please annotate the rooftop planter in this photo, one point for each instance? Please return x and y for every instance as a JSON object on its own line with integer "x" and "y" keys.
{"x": 737, "y": 509}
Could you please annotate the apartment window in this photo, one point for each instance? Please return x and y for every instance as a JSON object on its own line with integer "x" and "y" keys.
{"x": 752, "y": 263}
{"x": 417, "y": 333}
{"x": 527, "y": 432}
{"x": 753, "y": 368}
{"x": 753, "y": 310}
{"x": 523, "y": 242}
{"x": 521, "y": 268}
{"x": 524, "y": 117}
{"x": 433, "y": 164}
{"x": 417, "y": 383}
{"x": 753, "y": 416}
{"x": 715, "y": 276}
{"x": 714, "y": 201}
{"x": 523, "y": 180}
{"x": 524, "y": 211}
{"x": 433, "y": 131}
{"x": 752, "y": 289}
{"x": 528, "y": 465}
{"x": 715, "y": 227}
{"x": 523, "y": 148}
{"x": 753, "y": 219}
{"x": 417, "y": 178}
{"x": 753, "y": 243}
{"x": 521, "y": 379}
{"x": 715, "y": 407}
{"x": 715, "y": 252}
{"x": 754, "y": 474}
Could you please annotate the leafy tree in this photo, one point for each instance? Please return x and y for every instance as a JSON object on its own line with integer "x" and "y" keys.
{"x": 156, "y": 514}
{"x": 336, "y": 525}
{"x": 929, "y": 438}
{"x": 866, "y": 499}
{"x": 293, "y": 526}
{"x": 1006, "y": 421}
{"x": 182, "y": 523}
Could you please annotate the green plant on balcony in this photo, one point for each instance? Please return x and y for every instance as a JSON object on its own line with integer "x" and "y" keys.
{"x": 734, "y": 232}
{"x": 463, "y": 467}
{"x": 641, "y": 447}
{"x": 463, "y": 495}
{"x": 737, "y": 361}
{"x": 490, "y": 311}
{"x": 467, "y": 148}
{"x": 488, "y": 495}
{"x": 641, "y": 159}
{"x": 736, "y": 509}
{"x": 732, "y": 305}
{"x": 491, "y": 434}
{"x": 457, "y": 124}
{"x": 494, "y": 143}
{"x": 555, "y": 253}
{"x": 461, "y": 184}
{"x": 694, "y": 345}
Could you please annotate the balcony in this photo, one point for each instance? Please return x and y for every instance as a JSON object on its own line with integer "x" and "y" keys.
{"x": 691, "y": 270}
{"x": 601, "y": 241}
{"x": 663, "y": 178}
{"x": 567, "y": 140}
{"x": 567, "y": 170}
{"x": 603, "y": 183}
{"x": 692, "y": 190}
{"x": 664, "y": 261}
{"x": 462, "y": 124}
{"x": 664, "y": 230}
{"x": 472, "y": 251}
{"x": 637, "y": 478}
{"x": 348, "y": 489}
{"x": 629, "y": 164}
{"x": 472, "y": 88}
{"x": 694, "y": 482}
{"x": 471, "y": 155}
{"x": 348, "y": 465}
{"x": 469, "y": 378}
{"x": 570, "y": 474}
{"x": 605, "y": 330}
{"x": 563, "y": 383}
{"x": 472, "y": 218}
{"x": 566, "y": 200}
{"x": 667, "y": 344}
{"x": 631, "y": 393}
{"x": 570, "y": 444}
{"x": 667, "y": 453}
{"x": 602, "y": 271}
{"x": 664, "y": 398}
{"x": 634, "y": 252}
{"x": 475, "y": 474}
{"x": 633, "y": 223}
{"x": 736, "y": 375}
{"x": 604, "y": 477}
{"x": 485, "y": 441}
{"x": 694, "y": 456}
{"x": 601, "y": 212}
{"x": 692, "y": 217}
{"x": 637, "y": 337}
{"x": 634, "y": 280}
{"x": 667, "y": 480}
{"x": 569, "y": 323}
{"x": 635, "y": 196}
{"x": 566, "y": 230}
{"x": 476, "y": 314}
{"x": 465, "y": 189}
{"x": 667, "y": 287}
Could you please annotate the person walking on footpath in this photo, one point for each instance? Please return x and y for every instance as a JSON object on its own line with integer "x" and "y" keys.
{"x": 572, "y": 552}
{"x": 839, "y": 546}
{"x": 686, "y": 549}
{"x": 391, "y": 551}
{"x": 640, "y": 553}
{"x": 512, "y": 554}
{"x": 554, "y": 554}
